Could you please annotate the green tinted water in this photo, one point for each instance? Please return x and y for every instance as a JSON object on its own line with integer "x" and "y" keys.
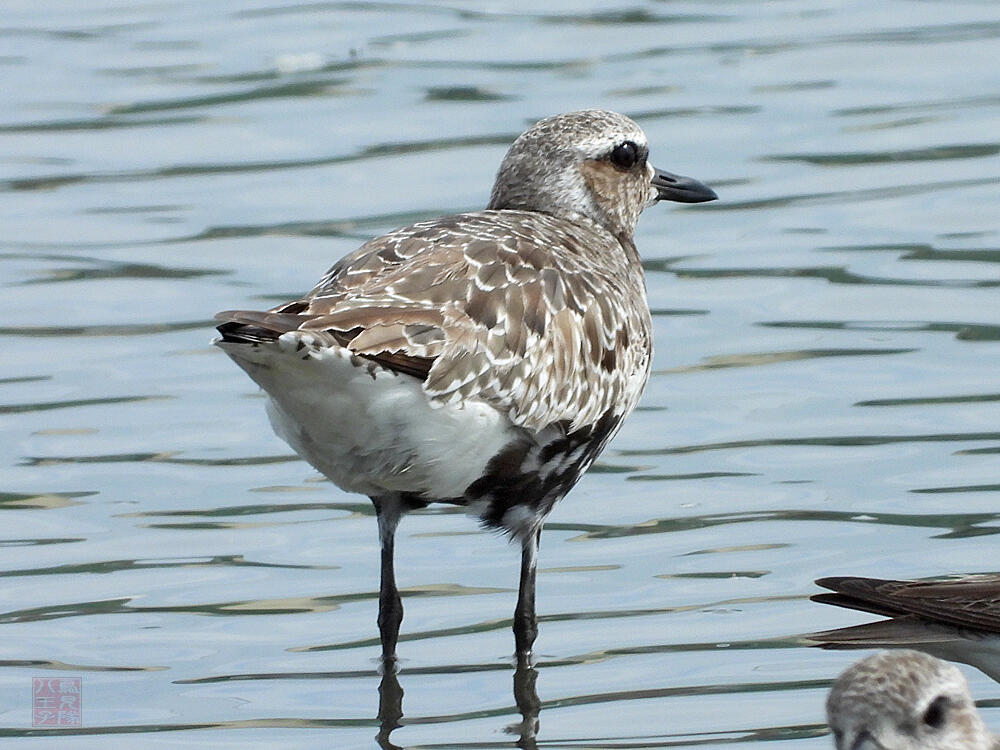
{"x": 825, "y": 395}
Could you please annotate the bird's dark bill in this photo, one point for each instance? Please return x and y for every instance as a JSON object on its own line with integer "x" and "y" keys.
{"x": 675, "y": 187}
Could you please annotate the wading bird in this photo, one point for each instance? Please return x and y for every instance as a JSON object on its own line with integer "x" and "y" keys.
{"x": 483, "y": 359}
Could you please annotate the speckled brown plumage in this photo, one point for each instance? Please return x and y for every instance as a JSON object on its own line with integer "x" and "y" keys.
{"x": 504, "y": 347}
{"x": 544, "y": 319}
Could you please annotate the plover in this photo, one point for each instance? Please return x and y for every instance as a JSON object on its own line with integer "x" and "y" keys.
{"x": 483, "y": 359}
{"x": 956, "y": 619}
{"x": 905, "y": 700}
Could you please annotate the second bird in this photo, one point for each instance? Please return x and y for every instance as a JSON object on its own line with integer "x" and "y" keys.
{"x": 483, "y": 359}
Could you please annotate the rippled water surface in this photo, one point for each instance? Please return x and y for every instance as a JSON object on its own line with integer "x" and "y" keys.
{"x": 825, "y": 397}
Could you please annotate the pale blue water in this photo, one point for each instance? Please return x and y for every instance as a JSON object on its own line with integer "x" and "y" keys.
{"x": 826, "y": 397}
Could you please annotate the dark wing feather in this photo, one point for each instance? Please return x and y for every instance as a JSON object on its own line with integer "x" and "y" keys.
{"x": 972, "y": 602}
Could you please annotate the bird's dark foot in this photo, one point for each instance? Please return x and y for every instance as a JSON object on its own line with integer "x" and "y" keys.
{"x": 525, "y": 632}
{"x": 388, "y": 664}
{"x": 389, "y": 658}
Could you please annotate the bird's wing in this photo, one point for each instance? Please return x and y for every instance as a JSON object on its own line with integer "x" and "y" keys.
{"x": 972, "y": 602}
{"x": 905, "y": 631}
{"x": 499, "y": 305}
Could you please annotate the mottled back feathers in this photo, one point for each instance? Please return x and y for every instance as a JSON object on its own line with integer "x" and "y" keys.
{"x": 524, "y": 326}
{"x": 543, "y": 319}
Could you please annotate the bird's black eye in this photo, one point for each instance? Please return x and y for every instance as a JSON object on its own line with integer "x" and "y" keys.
{"x": 934, "y": 715}
{"x": 625, "y": 155}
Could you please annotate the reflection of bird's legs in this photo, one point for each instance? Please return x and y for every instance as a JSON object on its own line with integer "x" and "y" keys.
{"x": 390, "y": 707}
{"x": 525, "y": 623}
{"x": 390, "y": 606}
{"x": 526, "y": 698}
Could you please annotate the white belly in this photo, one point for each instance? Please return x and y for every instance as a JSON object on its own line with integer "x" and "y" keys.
{"x": 368, "y": 429}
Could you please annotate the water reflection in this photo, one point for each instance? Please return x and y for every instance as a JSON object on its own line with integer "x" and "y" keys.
{"x": 390, "y": 707}
{"x": 826, "y": 363}
{"x": 391, "y": 716}
{"x": 526, "y": 699}
{"x": 958, "y": 525}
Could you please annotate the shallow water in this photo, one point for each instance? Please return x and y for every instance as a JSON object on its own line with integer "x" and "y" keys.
{"x": 825, "y": 398}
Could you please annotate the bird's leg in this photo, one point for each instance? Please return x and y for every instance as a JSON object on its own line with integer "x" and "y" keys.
{"x": 525, "y": 623}
{"x": 390, "y": 606}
